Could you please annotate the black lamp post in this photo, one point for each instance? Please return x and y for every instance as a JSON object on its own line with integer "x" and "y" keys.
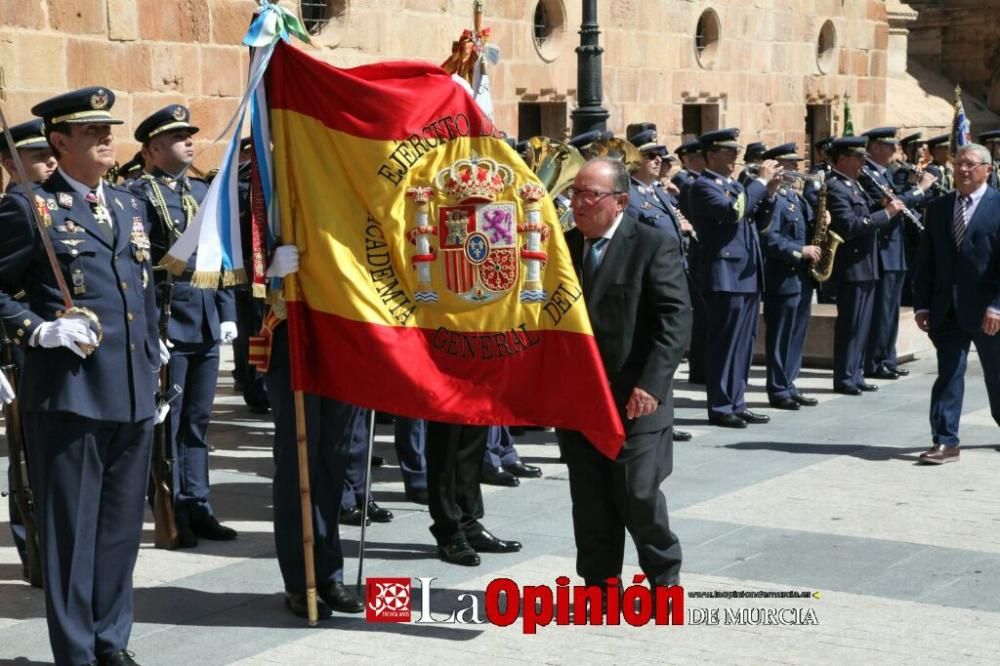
{"x": 589, "y": 114}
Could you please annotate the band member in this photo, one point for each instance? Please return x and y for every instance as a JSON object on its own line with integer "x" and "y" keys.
{"x": 635, "y": 292}
{"x": 956, "y": 294}
{"x": 880, "y": 355}
{"x": 39, "y": 163}
{"x": 328, "y": 426}
{"x": 730, "y": 272}
{"x": 906, "y": 170}
{"x": 650, "y": 204}
{"x": 939, "y": 167}
{"x": 200, "y": 319}
{"x": 751, "y": 162}
{"x": 89, "y": 375}
{"x": 693, "y": 161}
{"x": 857, "y": 220}
{"x": 991, "y": 140}
{"x": 788, "y": 254}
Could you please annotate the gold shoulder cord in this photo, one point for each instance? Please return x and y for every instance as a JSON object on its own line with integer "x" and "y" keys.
{"x": 160, "y": 204}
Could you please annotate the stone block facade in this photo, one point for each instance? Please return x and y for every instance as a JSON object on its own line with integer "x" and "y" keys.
{"x": 759, "y": 74}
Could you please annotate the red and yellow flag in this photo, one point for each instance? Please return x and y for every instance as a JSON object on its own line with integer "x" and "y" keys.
{"x": 434, "y": 281}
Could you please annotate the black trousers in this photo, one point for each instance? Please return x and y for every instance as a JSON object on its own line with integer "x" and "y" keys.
{"x": 612, "y": 496}
{"x": 454, "y": 462}
{"x": 89, "y": 482}
{"x": 329, "y": 425}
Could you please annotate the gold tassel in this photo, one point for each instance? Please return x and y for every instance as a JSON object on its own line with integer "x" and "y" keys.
{"x": 258, "y": 290}
{"x": 172, "y": 264}
{"x": 206, "y": 279}
{"x": 233, "y": 278}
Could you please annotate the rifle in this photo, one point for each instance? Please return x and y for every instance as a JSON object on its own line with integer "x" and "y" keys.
{"x": 164, "y": 521}
{"x": 20, "y": 483}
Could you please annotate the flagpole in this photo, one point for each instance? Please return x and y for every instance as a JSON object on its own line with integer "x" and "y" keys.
{"x": 306, "y": 496}
{"x": 368, "y": 489}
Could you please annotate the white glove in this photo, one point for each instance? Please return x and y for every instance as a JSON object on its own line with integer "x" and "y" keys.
{"x": 227, "y": 332}
{"x": 6, "y": 390}
{"x": 161, "y": 414}
{"x": 164, "y": 352}
{"x": 284, "y": 261}
{"x": 70, "y": 331}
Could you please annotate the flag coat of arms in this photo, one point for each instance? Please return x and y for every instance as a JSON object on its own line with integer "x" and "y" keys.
{"x": 433, "y": 279}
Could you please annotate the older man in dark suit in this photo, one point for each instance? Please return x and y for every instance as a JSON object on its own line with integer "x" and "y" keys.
{"x": 956, "y": 294}
{"x": 635, "y": 291}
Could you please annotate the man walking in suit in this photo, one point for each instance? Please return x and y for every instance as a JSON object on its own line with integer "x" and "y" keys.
{"x": 956, "y": 294}
{"x": 636, "y": 296}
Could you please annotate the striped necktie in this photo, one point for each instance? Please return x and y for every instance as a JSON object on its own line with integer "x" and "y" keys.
{"x": 959, "y": 224}
{"x": 593, "y": 260}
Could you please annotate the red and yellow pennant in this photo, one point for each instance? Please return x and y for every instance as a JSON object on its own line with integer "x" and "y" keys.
{"x": 434, "y": 281}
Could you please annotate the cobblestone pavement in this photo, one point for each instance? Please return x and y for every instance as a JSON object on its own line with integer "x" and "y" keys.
{"x": 900, "y": 562}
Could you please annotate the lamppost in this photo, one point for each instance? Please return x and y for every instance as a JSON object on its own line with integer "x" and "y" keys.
{"x": 589, "y": 114}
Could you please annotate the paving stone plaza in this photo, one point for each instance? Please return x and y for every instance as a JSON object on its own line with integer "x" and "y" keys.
{"x": 901, "y": 562}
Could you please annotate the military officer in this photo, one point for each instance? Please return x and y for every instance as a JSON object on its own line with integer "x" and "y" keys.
{"x": 880, "y": 355}
{"x": 693, "y": 161}
{"x": 328, "y": 426}
{"x": 939, "y": 167}
{"x": 856, "y": 219}
{"x": 788, "y": 289}
{"x": 991, "y": 140}
{"x": 89, "y": 379}
{"x": 651, "y": 204}
{"x": 200, "y": 319}
{"x": 39, "y": 163}
{"x": 356, "y": 477}
{"x": 730, "y": 272}
{"x": 751, "y": 162}
{"x": 904, "y": 171}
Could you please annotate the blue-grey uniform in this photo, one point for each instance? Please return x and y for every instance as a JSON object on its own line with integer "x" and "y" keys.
{"x": 788, "y": 288}
{"x": 730, "y": 274}
{"x": 683, "y": 180}
{"x": 410, "y": 440}
{"x": 855, "y": 270}
{"x": 171, "y": 202}
{"x": 88, "y": 421}
{"x": 653, "y": 205}
{"x": 942, "y": 171}
{"x": 751, "y": 162}
{"x": 28, "y": 135}
{"x": 991, "y": 139}
{"x": 880, "y": 355}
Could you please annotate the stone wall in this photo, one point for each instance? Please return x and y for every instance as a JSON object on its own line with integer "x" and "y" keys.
{"x": 764, "y": 69}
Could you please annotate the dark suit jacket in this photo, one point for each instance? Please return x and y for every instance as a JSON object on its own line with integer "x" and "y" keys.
{"x": 968, "y": 279}
{"x": 118, "y": 381}
{"x": 195, "y": 314}
{"x": 641, "y": 315}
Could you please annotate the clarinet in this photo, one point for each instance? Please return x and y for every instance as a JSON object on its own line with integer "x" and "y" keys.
{"x": 887, "y": 191}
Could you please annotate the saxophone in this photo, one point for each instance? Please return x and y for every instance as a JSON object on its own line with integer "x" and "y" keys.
{"x": 827, "y": 240}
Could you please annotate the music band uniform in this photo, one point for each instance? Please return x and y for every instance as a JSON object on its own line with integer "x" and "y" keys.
{"x": 194, "y": 330}
{"x": 788, "y": 289}
{"x": 89, "y": 445}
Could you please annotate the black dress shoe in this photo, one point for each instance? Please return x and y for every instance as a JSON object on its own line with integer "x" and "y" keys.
{"x": 378, "y": 514}
{"x": 418, "y": 496}
{"x": 902, "y": 372}
{"x": 485, "y": 542}
{"x": 524, "y": 471}
{"x": 868, "y": 388}
{"x": 753, "y": 417}
{"x": 882, "y": 373}
{"x": 682, "y": 436}
{"x": 460, "y": 552}
{"x": 727, "y": 421}
{"x": 353, "y": 516}
{"x": 340, "y": 599}
{"x": 847, "y": 390}
{"x": 378, "y": 461}
{"x": 784, "y": 403}
{"x": 119, "y": 658}
{"x": 804, "y": 400}
{"x": 498, "y": 476}
{"x": 296, "y": 602}
{"x": 208, "y": 527}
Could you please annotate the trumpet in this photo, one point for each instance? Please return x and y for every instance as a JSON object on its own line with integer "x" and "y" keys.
{"x": 889, "y": 194}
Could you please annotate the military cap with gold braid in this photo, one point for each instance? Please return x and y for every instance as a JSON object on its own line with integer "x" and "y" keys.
{"x": 167, "y": 119}
{"x": 86, "y": 105}
{"x": 724, "y": 138}
{"x": 27, "y": 136}
{"x": 785, "y": 151}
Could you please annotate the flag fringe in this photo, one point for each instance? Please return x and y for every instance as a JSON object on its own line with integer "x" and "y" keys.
{"x": 258, "y": 290}
{"x": 206, "y": 279}
{"x": 173, "y": 264}
{"x": 234, "y": 277}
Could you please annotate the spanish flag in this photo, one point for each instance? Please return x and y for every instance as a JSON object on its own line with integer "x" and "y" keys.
{"x": 433, "y": 281}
